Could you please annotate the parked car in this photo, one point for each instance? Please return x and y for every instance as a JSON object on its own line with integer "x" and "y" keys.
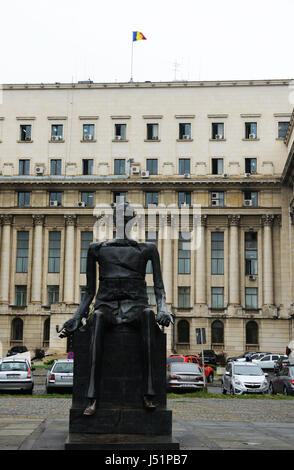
{"x": 60, "y": 376}
{"x": 283, "y": 381}
{"x": 209, "y": 372}
{"x": 209, "y": 356}
{"x": 16, "y": 350}
{"x": 184, "y": 376}
{"x": 251, "y": 356}
{"x": 245, "y": 356}
{"x": 268, "y": 361}
{"x": 243, "y": 377}
{"x": 16, "y": 374}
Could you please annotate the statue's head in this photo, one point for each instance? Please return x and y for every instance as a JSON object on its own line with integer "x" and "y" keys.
{"x": 123, "y": 213}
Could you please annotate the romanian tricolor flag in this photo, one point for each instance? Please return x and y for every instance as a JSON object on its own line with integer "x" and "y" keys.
{"x": 137, "y": 36}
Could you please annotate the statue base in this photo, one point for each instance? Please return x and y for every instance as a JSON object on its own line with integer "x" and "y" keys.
{"x": 85, "y": 441}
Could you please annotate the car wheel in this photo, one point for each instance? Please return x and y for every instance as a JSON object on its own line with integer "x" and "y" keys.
{"x": 224, "y": 392}
{"x": 232, "y": 391}
{"x": 271, "y": 389}
{"x": 285, "y": 390}
{"x": 210, "y": 378}
{"x": 48, "y": 390}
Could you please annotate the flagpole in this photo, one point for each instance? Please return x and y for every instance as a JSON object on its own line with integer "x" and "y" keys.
{"x": 132, "y": 60}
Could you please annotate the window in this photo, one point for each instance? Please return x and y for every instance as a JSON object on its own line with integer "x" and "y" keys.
{"x": 184, "y": 198}
{"x": 217, "y": 332}
{"x": 88, "y": 131}
{"x": 17, "y": 329}
{"x": 54, "y": 252}
{"x": 184, "y": 253}
{"x": 217, "y": 130}
{"x": 251, "y": 264}
{"x": 25, "y": 133}
{"x": 86, "y": 239}
{"x": 184, "y": 297}
{"x": 55, "y": 167}
{"x": 152, "y": 166}
{"x": 24, "y": 167}
{"x": 152, "y": 131}
{"x": 184, "y": 166}
{"x": 217, "y": 297}
{"x": 250, "y": 130}
{"x": 24, "y": 198}
{"x": 251, "y": 297}
{"x": 282, "y": 129}
{"x": 119, "y": 166}
{"x": 151, "y": 295}
{"x": 57, "y": 132}
{"x": 55, "y": 198}
{"x": 82, "y": 292}
{"x": 87, "y": 198}
{"x": 120, "y": 131}
{"x": 87, "y": 166}
{"x": 151, "y": 197}
{"x": 46, "y": 332}
{"x": 217, "y": 166}
{"x": 183, "y": 328}
{"x": 21, "y": 296}
{"x": 251, "y": 333}
{"x": 250, "y": 166}
{"x": 52, "y": 294}
{"x": 217, "y": 198}
{"x": 22, "y": 252}
{"x": 184, "y": 131}
{"x": 251, "y": 198}
{"x": 151, "y": 237}
{"x": 217, "y": 253}
{"x": 119, "y": 197}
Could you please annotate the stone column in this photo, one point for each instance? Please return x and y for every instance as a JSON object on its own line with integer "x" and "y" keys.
{"x": 37, "y": 268}
{"x": 69, "y": 259}
{"x": 167, "y": 262}
{"x": 234, "y": 262}
{"x": 268, "y": 287}
{"x": 6, "y": 221}
{"x": 200, "y": 275}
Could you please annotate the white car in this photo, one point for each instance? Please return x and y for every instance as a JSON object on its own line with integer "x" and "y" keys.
{"x": 243, "y": 377}
{"x": 268, "y": 362}
{"x": 60, "y": 376}
{"x": 16, "y": 374}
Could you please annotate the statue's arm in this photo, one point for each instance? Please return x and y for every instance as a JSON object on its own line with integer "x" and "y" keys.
{"x": 163, "y": 317}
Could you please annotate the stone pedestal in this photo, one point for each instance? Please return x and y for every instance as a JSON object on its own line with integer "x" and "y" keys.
{"x": 121, "y": 421}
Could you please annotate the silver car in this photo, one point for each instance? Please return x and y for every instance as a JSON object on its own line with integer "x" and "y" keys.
{"x": 16, "y": 374}
{"x": 60, "y": 376}
{"x": 243, "y": 377}
{"x": 184, "y": 376}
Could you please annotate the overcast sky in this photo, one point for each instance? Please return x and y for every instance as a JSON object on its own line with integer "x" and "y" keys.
{"x": 70, "y": 40}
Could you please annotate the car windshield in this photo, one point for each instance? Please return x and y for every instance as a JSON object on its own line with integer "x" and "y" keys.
{"x": 174, "y": 359}
{"x": 185, "y": 367}
{"x": 247, "y": 370}
{"x": 19, "y": 366}
{"x": 63, "y": 367}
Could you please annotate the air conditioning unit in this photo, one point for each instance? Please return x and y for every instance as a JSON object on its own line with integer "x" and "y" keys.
{"x": 186, "y": 137}
{"x": 53, "y": 203}
{"x": 225, "y": 175}
{"x": 27, "y": 138}
{"x": 214, "y": 195}
{"x": 252, "y": 277}
{"x": 155, "y": 137}
{"x": 252, "y": 136}
{"x": 187, "y": 175}
{"x": 135, "y": 170}
{"x": 81, "y": 204}
{"x": 118, "y": 137}
{"x": 88, "y": 137}
{"x": 247, "y": 175}
{"x": 145, "y": 174}
{"x": 55, "y": 138}
{"x": 218, "y": 136}
{"x": 215, "y": 202}
{"x": 39, "y": 170}
{"x": 248, "y": 202}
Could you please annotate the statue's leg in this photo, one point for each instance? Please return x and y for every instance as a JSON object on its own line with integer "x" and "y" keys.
{"x": 147, "y": 325}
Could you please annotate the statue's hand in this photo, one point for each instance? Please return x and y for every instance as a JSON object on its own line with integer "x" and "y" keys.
{"x": 164, "y": 318}
{"x": 70, "y": 326}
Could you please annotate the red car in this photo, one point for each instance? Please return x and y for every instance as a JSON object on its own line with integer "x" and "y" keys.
{"x": 209, "y": 372}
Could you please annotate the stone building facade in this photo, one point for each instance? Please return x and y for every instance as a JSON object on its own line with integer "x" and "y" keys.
{"x": 225, "y": 148}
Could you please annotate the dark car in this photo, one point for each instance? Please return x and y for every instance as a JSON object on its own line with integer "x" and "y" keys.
{"x": 183, "y": 376}
{"x": 246, "y": 356}
{"x": 209, "y": 356}
{"x": 16, "y": 350}
{"x": 283, "y": 381}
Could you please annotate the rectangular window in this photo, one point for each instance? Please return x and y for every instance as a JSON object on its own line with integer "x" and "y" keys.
{"x": 152, "y": 166}
{"x": 152, "y": 131}
{"x": 184, "y": 297}
{"x": 217, "y": 198}
{"x": 251, "y": 198}
{"x": 87, "y": 198}
{"x": 52, "y": 294}
{"x": 217, "y": 253}
{"x": 55, "y": 167}
{"x": 151, "y": 295}
{"x": 151, "y": 237}
{"x": 251, "y": 297}
{"x": 184, "y": 166}
{"x": 88, "y": 131}
{"x": 250, "y": 165}
{"x": 217, "y": 297}
{"x": 250, "y": 130}
{"x": 57, "y": 132}
{"x": 24, "y": 198}
{"x": 184, "y": 198}
{"x": 217, "y": 130}
{"x": 119, "y": 166}
{"x": 24, "y": 167}
{"x": 22, "y": 252}
{"x": 184, "y": 131}
{"x": 184, "y": 253}
{"x": 86, "y": 239}
{"x": 21, "y": 296}
{"x": 151, "y": 197}
{"x": 217, "y": 166}
{"x": 87, "y": 166}
{"x": 54, "y": 252}
{"x": 251, "y": 262}
{"x": 25, "y": 132}
{"x": 55, "y": 198}
{"x": 282, "y": 129}
{"x": 82, "y": 292}
{"x": 119, "y": 197}
{"x": 120, "y": 131}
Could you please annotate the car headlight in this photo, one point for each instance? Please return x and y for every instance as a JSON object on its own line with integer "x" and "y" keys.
{"x": 237, "y": 382}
